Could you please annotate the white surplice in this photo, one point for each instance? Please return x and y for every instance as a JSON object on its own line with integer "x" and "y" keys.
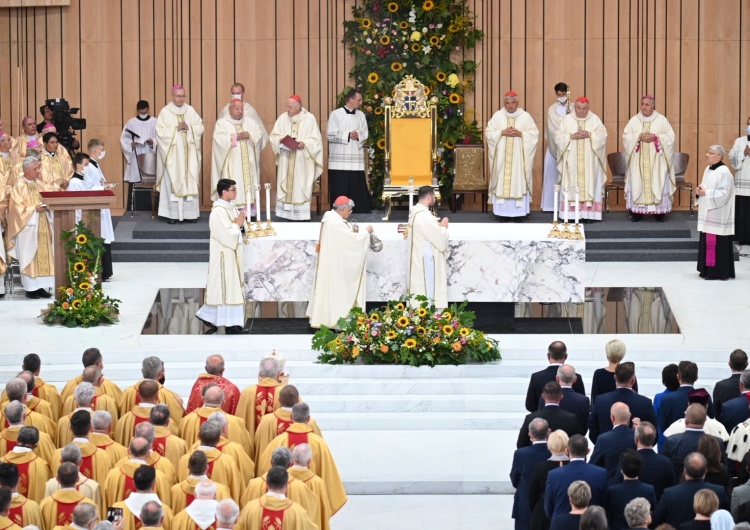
{"x": 427, "y": 254}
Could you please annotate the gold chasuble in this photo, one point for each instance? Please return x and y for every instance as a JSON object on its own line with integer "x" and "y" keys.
{"x": 296, "y": 491}
{"x": 7, "y": 524}
{"x": 257, "y": 401}
{"x": 48, "y": 393}
{"x": 161, "y": 464}
{"x": 274, "y": 424}
{"x": 40, "y": 406}
{"x": 270, "y": 512}
{"x": 126, "y": 424}
{"x": 190, "y": 426}
{"x": 184, "y": 493}
{"x": 33, "y": 473}
{"x": 34, "y": 419}
{"x": 108, "y": 387}
{"x": 131, "y": 398}
{"x": 101, "y": 401}
{"x": 44, "y": 449}
{"x": 57, "y": 510}
{"x": 238, "y": 453}
{"x": 168, "y": 445}
{"x": 318, "y": 487}
{"x": 88, "y": 487}
{"x": 119, "y": 484}
{"x": 24, "y": 512}
{"x": 115, "y": 451}
{"x": 95, "y": 463}
{"x": 222, "y": 469}
{"x": 34, "y": 240}
{"x": 133, "y": 522}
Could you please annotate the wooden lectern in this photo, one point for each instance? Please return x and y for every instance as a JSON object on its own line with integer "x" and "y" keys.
{"x": 64, "y": 205}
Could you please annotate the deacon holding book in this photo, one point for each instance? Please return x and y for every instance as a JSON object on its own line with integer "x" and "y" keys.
{"x": 428, "y": 249}
{"x": 298, "y": 147}
{"x": 340, "y": 272}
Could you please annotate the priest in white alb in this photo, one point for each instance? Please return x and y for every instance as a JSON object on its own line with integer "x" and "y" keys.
{"x": 340, "y": 272}
{"x": 178, "y": 167}
{"x": 648, "y": 140}
{"x": 235, "y": 155}
{"x": 427, "y": 250}
{"x": 512, "y": 138}
{"x": 298, "y": 147}
{"x": 581, "y": 143}
{"x": 739, "y": 157}
{"x": 555, "y": 114}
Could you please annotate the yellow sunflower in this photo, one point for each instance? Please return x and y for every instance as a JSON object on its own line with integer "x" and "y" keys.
{"x": 84, "y": 286}
{"x": 489, "y": 346}
{"x": 385, "y": 40}
{"x": 391, "y": 334}
{"x": 434, "y": 40}
{"x": 76, "y": 304}
{"x": 428, "y": 5}
{"x": 373, "y": 77}
{"x": 381, "y": 144}
{"x": 427, "y": 91}
{"x": 448, "y": 144}
{"x": 379, "y": 111}
{"x": 440, "y": 76}
{"x": 422, "y": 312}
{"x": 453, "y": 28}
{"x": 454, "y": 98}
{"x": 402, "y": 322}
{"x": 447, "y": 314}
{"x": 393, "y": 7}
{"x": 338, "y": 341}
{"x": 421, "y": 331}
{"x": 78, "y": 266}
{"x": 403, "y": 25}
{"x": 410, "y": 343}
{"x": 81, "y": 239}
{"x": 400, "y": 306}
{"x": 416, "y": 47}
{"x": 448, "y": 330}
{"x": 374, "y": 317}
{"x": 366, "y": 23}
{"x": 397, "y": 66}
{"x": 464, "y": 332}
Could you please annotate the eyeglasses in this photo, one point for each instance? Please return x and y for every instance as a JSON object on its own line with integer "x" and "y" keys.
{"x": 232, "y": 189}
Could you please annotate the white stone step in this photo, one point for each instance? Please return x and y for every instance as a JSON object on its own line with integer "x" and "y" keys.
{"x": 423, "y": 421}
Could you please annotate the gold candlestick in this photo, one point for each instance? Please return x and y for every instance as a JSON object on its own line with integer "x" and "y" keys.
{"x": 565, "y": 233}
{"x": 555, "y": 232}
{"x": 577, "y": 234}
{"x": 269, "y": 231}
{"x": 249, "y": 231}
{"x": 259, "y": 231}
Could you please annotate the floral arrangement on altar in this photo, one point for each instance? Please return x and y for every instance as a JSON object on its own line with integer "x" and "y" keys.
{"x": 427, "y": 39}
{"x": 82, "y": 302}
{"x": 406, "y": 333}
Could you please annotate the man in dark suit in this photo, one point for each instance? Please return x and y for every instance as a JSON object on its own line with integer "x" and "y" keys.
{"x": 729, "y": 388}
{"x": 557, "y": 353}
{"x": 657, "y": 469}
{"x": 673, "y": 405}
{"x": 556, "y": 493}
{"x": 525, "y": 461}
{"x": 556, "y": 417}
{"x": 619, "y": 495}
{"x": 678, "y": 446}
{"x": 611, "y": 444}
{"x": 640, "y": 406}
{"x": 572, "y": 401}
{"x": 676, "y": 504}
{"x": 736, "y": 410}
{"x": 638, "y": 514}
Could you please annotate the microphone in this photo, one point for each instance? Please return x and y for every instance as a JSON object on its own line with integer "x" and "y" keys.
{"x": 131, "y": 133}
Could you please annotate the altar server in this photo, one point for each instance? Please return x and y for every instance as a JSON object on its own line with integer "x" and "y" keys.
{"x": 555, "y": 114}
{"x": 428, "y": 248}
{"x": 738, "y": 156}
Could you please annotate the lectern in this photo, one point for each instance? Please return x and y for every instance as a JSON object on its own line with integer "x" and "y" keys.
{"x": 64, "y": 205}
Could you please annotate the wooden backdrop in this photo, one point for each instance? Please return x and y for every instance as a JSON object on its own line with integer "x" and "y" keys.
{"x": 104, "y": 55}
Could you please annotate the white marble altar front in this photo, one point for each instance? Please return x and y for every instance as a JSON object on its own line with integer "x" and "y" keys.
{"x": 486, "y": 263}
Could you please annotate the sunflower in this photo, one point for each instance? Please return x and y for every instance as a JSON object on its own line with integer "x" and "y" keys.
{"x": 84, "y": 286}
{"x": 434, "y": 40}
{"x": 385, "y": 40}
{"x": 375, "y": 317}
{"x": 447, "y": 315}
{"x": 427, "y": 91}
{"x": 422, "y": 312}
{"x": 440, "y": 76}
{"x": 448, "y": 144}
{"x": 393, "y": 7}
{"x": 403, "y": 25}
{"x": 391, "y": 334}
{"x": 78, "y": 266}
{"x": 373, "y": 77}
{"x": 489, "y": 346}
{"x": 381, "y": 144}
{"x": 464, "y": 332}
{"x": 378, "y": 111}
{"x": 338, "y": 341}
{"x": 416, "y": 47}
{"x": 355, "y": 352}
{"x": 76, "y": 304}
{"x": 453, "y": 28}
{"x": 454, "y": 98}
{"x": 456, "y": 346}
{"x": 400, "y": 306}
{"x": 397, "y": 66}
{"x": 421, "y": 331}
{"x": 366, "y": 23}
{"x": 428, "y": 5}
{"x": 448, "y": 330}
{"x": 402, "y": 322}
{"x": 410, "y": 343}
{"x": 81, "y": 239}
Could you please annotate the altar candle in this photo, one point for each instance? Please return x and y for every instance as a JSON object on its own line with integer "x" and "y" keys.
{"x": 565, "y": 204}
{"x": 268, "y": 202}
{"x": 257, "y": 202}
{"x": 577, "y": 206}
{"x": 557, "y": 204}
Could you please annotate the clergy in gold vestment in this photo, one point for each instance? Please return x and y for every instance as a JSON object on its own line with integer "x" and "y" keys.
{"x": 183, "y": 493}
{"x": 23, "y": 511}
{"x": 95, "y": 462}
{"x": 132, "y": 506}
{"x": 57, "y": 509}
{"x": 238, "y": 452}
{"x": 83, "y": 398}
{"x": 29, "y": 235}
{"x": 178, "y": 165}
{"x": 33, "y": 472}
{"x": 274, "y": 508}
{"x": 88, "y": 487}
{"x": 166, "y": 444}
{"x": 301, "y": 456}
{"x": 57, "y": 167}
{"x": 30, "y": 139}
{"x": 14, "y": 418}
{"x": 340, "y": 272}
{"x": 214, "y": 375}
{"x": 212, "y": 400}
{"x": 101, "y": 422}
{"x": 235, "y": 155}
{"x": 120, "y": 480}
{"x": 154, "y": 459}
{"x": 38, "y": 405}
{"x": 261, "y": 399}
{"x": 427, "y": 250}
{"x": 100, "y": 399}
{"x": 16, "y": 390}
{"x": 512, "y": 138}
{"x": 581, "y": 143}
{"x": 153, "y": 370}
{"x": 42, "y": 389}
{"x": 201, "y": 513}
{"x": 7, "y": 179}
{"x": 5, "y": 499}
{"x": 297, "y": 169}
{"x": 648, "y": 140}
{"x": 92, "y": 357}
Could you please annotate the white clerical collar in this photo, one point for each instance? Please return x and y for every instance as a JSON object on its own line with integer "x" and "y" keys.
{"x": 14, "y": 494}
{"x": 199, "y": 477}
{"x": 81, "y": 440}
{"x": 566, "y": 386}
{"x": 518, "y": 112}
{"x": 139, "y": 461}
{"x": 276, "y": 495}
{"x": 555, "y": 364}
{"x": 51, "y": 154}
{"x": 539, "y": 442}
{"x": 69, "y": 489}
{"x": 19, "y": 449}
{"x": 147, "y": 405}
{"x": 84, "y": 408}
{"x": 32, "y": 137}
{"x": 287, "y": 408}
{"x": 691, "y": 386}
{"x": 15, "y": 425}
{"x": 297, "y": 466}
{"x": 224, "y": 203}
{"x": 206, "y": 448}
{"x": 648, "y": 118}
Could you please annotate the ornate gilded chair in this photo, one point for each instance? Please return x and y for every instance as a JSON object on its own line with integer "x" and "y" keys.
{"x": 410, "y": 142}
{"x": 468, "y": 165}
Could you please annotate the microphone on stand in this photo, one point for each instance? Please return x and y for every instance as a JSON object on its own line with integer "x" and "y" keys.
{"x": 131, "y": 133}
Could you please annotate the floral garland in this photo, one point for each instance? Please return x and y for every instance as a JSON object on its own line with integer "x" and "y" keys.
{"x": 415, "y": 334}
{"x": 82, "y": 302}
{"x": 424, "y": 38}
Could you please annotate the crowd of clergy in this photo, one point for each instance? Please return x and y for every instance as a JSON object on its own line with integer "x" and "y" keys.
{"x": 679, "y": 460}
{"x": 248, "y": 459}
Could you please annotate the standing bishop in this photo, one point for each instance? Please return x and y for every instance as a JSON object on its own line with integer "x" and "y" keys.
{"x": 238, "y": 94}
{"x": 235, "y": 155}
{"x": 428, "y": 247}
{"x": 649, "y": 181}
{"x": 511, "y": 143}
{"x": 581, "y": 143}
{"x": 298, "y": 147}
{"x": 178, "y": 132}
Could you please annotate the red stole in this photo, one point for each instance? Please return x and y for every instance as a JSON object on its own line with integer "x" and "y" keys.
{"x": 23, "y": 477}
{"x": 281, "y": 424}
{"x": 296, "y": 438}
{"x": 87, "y": 467}
{"x": 265, "y": 397}
{"x": 65, "y": 512}
{"x": 210, "y": 469}
{"x": 15, "y": 513}
{"x": 160, "y": 445}
{"x": 10, "y": 444}
{"x": 271, "y": 519}
{"x": 128, "y": 487}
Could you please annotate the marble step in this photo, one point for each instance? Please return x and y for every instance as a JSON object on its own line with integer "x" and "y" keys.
{"x": 336, "y": 403}
{"x": 433, "y": 421}
{"x": 170, "y": 255}
{"x": 162, "y": 244}
{"x": 641, "y": 244}
{"x": 641, "y": 255}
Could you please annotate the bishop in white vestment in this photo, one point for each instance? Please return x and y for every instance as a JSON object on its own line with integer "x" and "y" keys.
{"x": 512, "y": 138}
{"x": 238, "y": 93}
{"x": 648, "y": 140}
{"x": 427, "y": 251}
{"x": 296, "y": 170}
{"x": 739, "y": 157}
{"x": 555, "y": 114}
{"x": 178, "y": 170}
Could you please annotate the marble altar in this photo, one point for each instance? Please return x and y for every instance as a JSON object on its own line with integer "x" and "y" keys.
{"x": 486, "y": 263}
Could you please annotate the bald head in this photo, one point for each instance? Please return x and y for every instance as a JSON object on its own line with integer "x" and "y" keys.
{"x": 236, "y": 109}
{"x": 215, "y": 363}
{"x": 92, "y": 374}
{"x": 695, "y": 416}
{"x": 213, "y": 397}
{"x": 29, "y": 378}
{"x": 139, "y": 448}
{"x": 620, "y": 413}
{"x": 566, "y": 375}
{"x": 149, "y": 391}
{"x": 301, "y": 455}
{"x": 288, "y": 396}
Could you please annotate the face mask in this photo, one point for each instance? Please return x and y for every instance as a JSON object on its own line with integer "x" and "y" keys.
{"x": 143, "y": 114}
{"x": 101, "y": 156}
{"x": 86, "y": 170}
{"x": 748, "y": 130}
{"x": 562, "y": 100}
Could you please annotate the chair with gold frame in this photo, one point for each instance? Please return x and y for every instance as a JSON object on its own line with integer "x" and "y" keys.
{"x": 410, "y": 142}
{"x": 468, "y": 168}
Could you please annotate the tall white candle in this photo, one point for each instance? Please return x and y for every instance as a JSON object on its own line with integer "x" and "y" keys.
{"x": 557, "y": 203}
{"x": 257, "y": 202}
{"x": 577, "y": 206}
{"x": 565, "y": 204}
{"x": 268, "y": 201}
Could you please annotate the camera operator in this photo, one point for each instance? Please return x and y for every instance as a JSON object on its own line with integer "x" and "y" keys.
{"x": 47, "y": 116}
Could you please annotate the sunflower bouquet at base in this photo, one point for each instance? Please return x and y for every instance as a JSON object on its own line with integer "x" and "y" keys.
{"x": 82, "y": 302}
{"x": 410, "y": 331}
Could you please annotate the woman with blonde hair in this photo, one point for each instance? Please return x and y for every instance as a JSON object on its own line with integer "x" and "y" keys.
{"x": 604, "y": 378}
{"x": 705, "y": 503}
{"x": 557, "y": 443}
